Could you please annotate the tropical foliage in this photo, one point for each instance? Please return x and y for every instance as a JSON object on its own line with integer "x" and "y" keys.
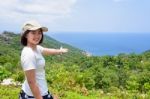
{"x": 77, "y": 76}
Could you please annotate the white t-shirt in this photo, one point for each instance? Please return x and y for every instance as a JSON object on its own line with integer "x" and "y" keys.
{"x": 33, "y": 59}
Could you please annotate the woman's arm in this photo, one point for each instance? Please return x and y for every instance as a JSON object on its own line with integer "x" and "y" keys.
{"x": 48, "y": 51}
{"x": 30, "y": 75}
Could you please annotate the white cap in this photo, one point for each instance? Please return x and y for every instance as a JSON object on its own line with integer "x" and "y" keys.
{"x": 33, "y": 25}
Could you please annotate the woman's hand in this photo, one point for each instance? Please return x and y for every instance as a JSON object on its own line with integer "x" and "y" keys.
{"x": 48, "y": 51}
{"x": 63, "y": 50}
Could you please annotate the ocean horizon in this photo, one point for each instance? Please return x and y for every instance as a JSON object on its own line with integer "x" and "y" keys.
{"x": 100, "y": 44}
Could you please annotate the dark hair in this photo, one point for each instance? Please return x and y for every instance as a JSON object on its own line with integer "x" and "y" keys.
{"x": 24, "y": 39}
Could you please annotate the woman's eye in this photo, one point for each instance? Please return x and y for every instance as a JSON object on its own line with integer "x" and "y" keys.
{"x": 40, "y": 32}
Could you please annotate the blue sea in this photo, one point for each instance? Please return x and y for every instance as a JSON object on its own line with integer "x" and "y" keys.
{"x": 100, "y": 44}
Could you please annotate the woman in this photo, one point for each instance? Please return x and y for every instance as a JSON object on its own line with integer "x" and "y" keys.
{"x": 33, "y": 62}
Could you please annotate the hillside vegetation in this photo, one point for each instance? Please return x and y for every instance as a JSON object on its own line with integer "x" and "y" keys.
{"x": 77, "y": 76}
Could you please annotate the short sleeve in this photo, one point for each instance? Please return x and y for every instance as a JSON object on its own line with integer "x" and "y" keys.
{"x": 28, "y": 60}
{"x": 40, "y": 48}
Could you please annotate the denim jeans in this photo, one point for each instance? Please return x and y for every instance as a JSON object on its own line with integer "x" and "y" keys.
{"x": 23, "y": 95}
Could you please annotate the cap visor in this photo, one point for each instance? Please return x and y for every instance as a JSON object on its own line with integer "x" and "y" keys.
{"x": 44, "y": 29}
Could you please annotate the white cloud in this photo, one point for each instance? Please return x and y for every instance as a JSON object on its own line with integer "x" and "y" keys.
{"x": 57, "y": 7}
{"x": 44, "y": 10}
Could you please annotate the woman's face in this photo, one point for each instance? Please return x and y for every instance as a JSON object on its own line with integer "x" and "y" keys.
{"x": 34, "y": 37}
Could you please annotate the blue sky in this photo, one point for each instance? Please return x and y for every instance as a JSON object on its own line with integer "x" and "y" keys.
{"x": 132, "y": 16}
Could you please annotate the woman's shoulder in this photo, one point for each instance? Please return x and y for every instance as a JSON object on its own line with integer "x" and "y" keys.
{"x": 27, "y": 50}
{"x": 40, "y": 48}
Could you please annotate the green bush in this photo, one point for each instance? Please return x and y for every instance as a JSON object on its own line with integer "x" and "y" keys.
{"x": 9, "y": 92}
{"x": 4, "y": 73}
{"x": 19, "y": 76}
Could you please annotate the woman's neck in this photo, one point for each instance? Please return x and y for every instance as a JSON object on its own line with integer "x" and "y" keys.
{"x": 31, "y": 46}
